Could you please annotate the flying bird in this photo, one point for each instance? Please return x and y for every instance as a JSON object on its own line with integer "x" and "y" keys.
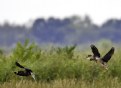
{"x": 97, "y": 57}
{"x": 26, "y": 72}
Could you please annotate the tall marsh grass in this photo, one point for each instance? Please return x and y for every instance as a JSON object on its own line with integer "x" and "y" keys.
{"x": 65, "y": 83}
{"x": 58, "y": 68}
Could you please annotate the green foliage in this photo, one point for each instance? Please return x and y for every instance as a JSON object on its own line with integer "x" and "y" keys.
{"x": 24, "y": 51}
{"x": 58, "y": 63}
{"x": 66, "y": 51}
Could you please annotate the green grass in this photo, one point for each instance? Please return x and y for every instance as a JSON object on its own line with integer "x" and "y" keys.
{"x": 58, "y": 68}
{"x": 65, "y": 83}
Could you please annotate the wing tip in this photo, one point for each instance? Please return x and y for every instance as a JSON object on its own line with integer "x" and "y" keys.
{"x": 16, "y": 63}
{"x": 92, "y": 45}
{"x": 113, "y": 48}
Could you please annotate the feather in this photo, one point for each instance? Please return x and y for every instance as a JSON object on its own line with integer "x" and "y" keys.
{"x": 107, "y": 57}
{"x": 95, "y": 51}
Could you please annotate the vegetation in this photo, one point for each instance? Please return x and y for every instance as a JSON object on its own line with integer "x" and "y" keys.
{"x": 65, "y": 83}
{"x": 58, "y": 68}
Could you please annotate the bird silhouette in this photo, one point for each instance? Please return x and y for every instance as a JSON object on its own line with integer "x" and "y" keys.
{"x": 97, "y": 57}
{"x": 26, "y": 72}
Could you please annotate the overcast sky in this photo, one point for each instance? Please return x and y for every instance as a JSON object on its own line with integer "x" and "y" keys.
{"x": 21, "y": 11}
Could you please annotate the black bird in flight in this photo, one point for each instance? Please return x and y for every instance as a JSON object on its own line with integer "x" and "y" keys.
{"x": 97, "y": 57}
{"x": 26, "y": 72}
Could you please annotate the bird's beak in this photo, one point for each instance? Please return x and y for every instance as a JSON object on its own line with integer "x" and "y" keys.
{"x": 88, "y": 58}
{"x": 33, "y": 76}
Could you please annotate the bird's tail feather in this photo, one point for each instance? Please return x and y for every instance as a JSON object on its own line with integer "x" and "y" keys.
{"x": 33, "y": 76}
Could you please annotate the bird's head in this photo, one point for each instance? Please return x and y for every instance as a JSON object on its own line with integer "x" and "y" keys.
{"x": 15, "y": 72}
{"x": 89, "y": 57}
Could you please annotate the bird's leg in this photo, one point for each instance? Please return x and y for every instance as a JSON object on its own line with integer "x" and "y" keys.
{"x": 104, "y": 65}
{"x": 96, "y": 61}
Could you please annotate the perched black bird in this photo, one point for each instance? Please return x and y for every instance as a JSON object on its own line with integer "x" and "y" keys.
{"x": 26, "y": 72}
{"x": 97, "y": 58}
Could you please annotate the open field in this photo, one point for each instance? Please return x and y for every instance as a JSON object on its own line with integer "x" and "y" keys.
{"x": 110, "y": 83}
{"x": 59, "y": 68}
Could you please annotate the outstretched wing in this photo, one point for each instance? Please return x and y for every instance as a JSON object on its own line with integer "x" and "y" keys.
{"x": 27, "y": 69}
{"x": 107, "y": 57}
{"x": 17, "y": 64}
{"x": 95, "y": 50}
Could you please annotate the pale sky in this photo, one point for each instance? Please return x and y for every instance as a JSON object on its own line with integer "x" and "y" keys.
{"x": 21, "y": 11}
